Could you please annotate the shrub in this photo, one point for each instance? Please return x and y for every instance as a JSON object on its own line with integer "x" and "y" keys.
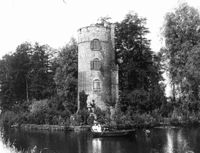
{"x": 157, "y": 115}
{"x": 100, "y": 115}
{"x": 83, "y": 99}
{"x": 90, "y": 120}
{"x": 145, "y": 119}
{"x": 121, "y": 118}
{"x": 38, "y": 106}
{"x": 48, "y": 111}
{"x": 76, "y": 120}
{"x": 166, "y": 109}
{"x": 9, "y": 118}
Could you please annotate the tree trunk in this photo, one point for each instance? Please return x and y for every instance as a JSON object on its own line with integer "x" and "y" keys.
{"x": 27, "y": 94}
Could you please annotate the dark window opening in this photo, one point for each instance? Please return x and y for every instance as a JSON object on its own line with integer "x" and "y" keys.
{"x": 95, "y": 44}
{"x": 95, "y": 64}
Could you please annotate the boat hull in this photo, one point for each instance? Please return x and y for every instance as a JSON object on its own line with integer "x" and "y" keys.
{"x": 118, "y": 133}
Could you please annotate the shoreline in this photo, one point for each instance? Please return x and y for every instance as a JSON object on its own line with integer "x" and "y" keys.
{"x": 47, "y": 127}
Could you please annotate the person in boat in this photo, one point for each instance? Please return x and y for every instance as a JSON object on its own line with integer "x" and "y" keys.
{"x": 147, "y": 132}
{"x": 96, "y": 127}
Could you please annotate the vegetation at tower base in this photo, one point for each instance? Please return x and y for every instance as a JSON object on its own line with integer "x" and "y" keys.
{"x": 83, "y": 99}
{"x": 181, "y": 32}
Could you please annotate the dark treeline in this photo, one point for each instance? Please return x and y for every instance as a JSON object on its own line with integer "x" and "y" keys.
{"x": 140, "y": 73}
{"x": 140, "y": 69}
{"x": 39, "y": 84}
{"x": 27, "y": 74}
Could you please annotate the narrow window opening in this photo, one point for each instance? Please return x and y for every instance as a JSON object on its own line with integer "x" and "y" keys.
{"x": 95, "y": 64}
{"x": 95, "y": 45}
{"x": 97, "y": 85}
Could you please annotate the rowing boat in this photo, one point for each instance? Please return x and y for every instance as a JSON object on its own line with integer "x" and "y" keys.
{"x": 113, "y": 133}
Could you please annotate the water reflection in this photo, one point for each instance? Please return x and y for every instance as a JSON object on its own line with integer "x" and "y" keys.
{"x": 170, "y": 142}
{"x": 163, "y": 140}
{"x": 182, "y": 144}
{"x": 177, "y": 142}
{"x": 109, "y": 145}
{"x": 96, "y": 145}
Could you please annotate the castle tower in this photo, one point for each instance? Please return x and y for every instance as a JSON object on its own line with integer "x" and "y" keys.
{"x": 97, "y": 71}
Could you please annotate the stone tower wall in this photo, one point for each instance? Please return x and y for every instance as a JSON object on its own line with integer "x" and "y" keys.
{"x": 107, "y": 73}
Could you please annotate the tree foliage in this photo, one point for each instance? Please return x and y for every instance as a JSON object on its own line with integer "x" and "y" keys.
{"x": 139, "y": 68}
{"x": 66, "y": 76}
{"x": 181, "y": 32}
{"x": 25, "y": 74}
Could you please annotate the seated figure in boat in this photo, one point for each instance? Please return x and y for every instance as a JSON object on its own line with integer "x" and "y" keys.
{"x": 96, "y": 127}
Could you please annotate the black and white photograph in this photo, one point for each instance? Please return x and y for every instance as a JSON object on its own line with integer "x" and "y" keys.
{"x": 99, "y": 76}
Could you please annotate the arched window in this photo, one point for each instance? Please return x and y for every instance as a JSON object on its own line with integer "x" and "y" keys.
{"x": 95, "y": 44}
{"x": 96, "y": 85}
{"x": 95, "y": 64}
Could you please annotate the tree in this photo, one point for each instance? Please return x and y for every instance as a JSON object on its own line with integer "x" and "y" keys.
{"x": 26, "y": 74}
{"x": 5, "y": 79}
{"x": 66, "y": 76}
{"x": 181, "y": 32}
{"x": 41, "y": 74}
{"x": 139, "y": 72}
{"x": 21, "y": 68}
{"x": 14, "y": 69}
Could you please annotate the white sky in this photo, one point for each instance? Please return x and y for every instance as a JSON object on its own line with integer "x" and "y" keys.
{"x": 54, "y": 22}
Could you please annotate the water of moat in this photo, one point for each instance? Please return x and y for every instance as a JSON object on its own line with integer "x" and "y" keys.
{"x": 161, "y": 140}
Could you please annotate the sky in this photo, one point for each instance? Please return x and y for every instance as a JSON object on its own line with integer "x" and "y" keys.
{"x": 54, "y": 22}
